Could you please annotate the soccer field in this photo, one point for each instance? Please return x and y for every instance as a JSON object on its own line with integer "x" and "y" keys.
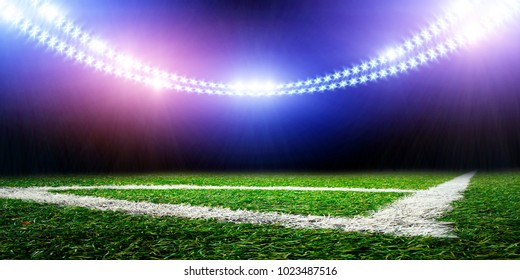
{"x": 266, "y": 216}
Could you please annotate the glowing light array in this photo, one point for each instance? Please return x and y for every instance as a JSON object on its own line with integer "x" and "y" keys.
{"x": 465, "y": 23}
{"x": 255, "y": 88}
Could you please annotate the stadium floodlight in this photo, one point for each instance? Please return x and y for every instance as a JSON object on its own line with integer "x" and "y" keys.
{"x": 418, "y": 40}
{"x": 84, "y": 39}
{"x": 33, "y": 33}
{"x": 422, "y": 58}
{"x": 432, "y": 54}
{"x": 383, "y": 60}
{"x": 43, "y": 37}
{"x": 403, "y": 67}
{"x": 109, "y": 69}
{"x": 60, "y": 48}
{"x": 442, "y": 50}
{"x": 435, "y": 30}
{"x": 373, "y": 63}
{"x": 373, "y": 76}
{"x": 99, "y": 65}
{"x": 24, "y": 27}
{"x": 89, "y": 61}
{"x": 393, "y": 70}
{"x": 80, "y": 57}
{"x": 442, "y": 24}
{"x": 76, "y": 33}
{"x": 327, "y": 79}
{"x": 426, "y": 35}
{"x": 52, "y": 42}
{"x": 409, "y": 45}
{"x": 383, "y": 73}
{"x": 68, "y": 27}
{"x": 413, "y": 63}
{"x": 452, "y": 45}
{"x": 59, "y": 22}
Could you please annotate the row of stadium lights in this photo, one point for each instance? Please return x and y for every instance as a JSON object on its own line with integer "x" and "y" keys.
{"x": 39, "y": 19}
{"x": 317, "y": 84}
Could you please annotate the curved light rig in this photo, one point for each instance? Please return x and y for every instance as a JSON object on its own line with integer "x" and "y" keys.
{"x": 465, "y": 22}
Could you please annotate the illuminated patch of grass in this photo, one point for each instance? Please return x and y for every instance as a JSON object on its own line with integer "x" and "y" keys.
{"x": 399, "y": 180}
{"x": 293, "y": 202}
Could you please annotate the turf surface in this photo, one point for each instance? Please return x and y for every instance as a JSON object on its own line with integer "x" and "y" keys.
{"x": 403, "y": 180}
{"x": 487, "y": 222}
{"x": 292, "y": 202}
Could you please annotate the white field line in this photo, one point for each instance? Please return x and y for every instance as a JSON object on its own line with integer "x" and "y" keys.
{"x": 191, "y": 187}
{"x": 411, "y": 216}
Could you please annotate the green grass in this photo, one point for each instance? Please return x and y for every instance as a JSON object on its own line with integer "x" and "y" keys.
{"x": 292, "y": 202}
{"x": 402, "y": 180}
{"x": 487, "y": 221}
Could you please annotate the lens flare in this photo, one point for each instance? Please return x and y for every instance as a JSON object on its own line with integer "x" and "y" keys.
{"x": 49, "y": 12}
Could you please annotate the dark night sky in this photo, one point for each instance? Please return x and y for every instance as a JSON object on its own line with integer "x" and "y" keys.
{"x": 56, "y": 116}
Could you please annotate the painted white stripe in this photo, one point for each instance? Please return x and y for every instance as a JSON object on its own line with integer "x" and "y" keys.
{"x": 191, "y": 187}
{"x": 410, "y": 216}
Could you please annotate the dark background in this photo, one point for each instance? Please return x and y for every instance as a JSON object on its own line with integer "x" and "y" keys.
{"x": 57, "y": 117}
